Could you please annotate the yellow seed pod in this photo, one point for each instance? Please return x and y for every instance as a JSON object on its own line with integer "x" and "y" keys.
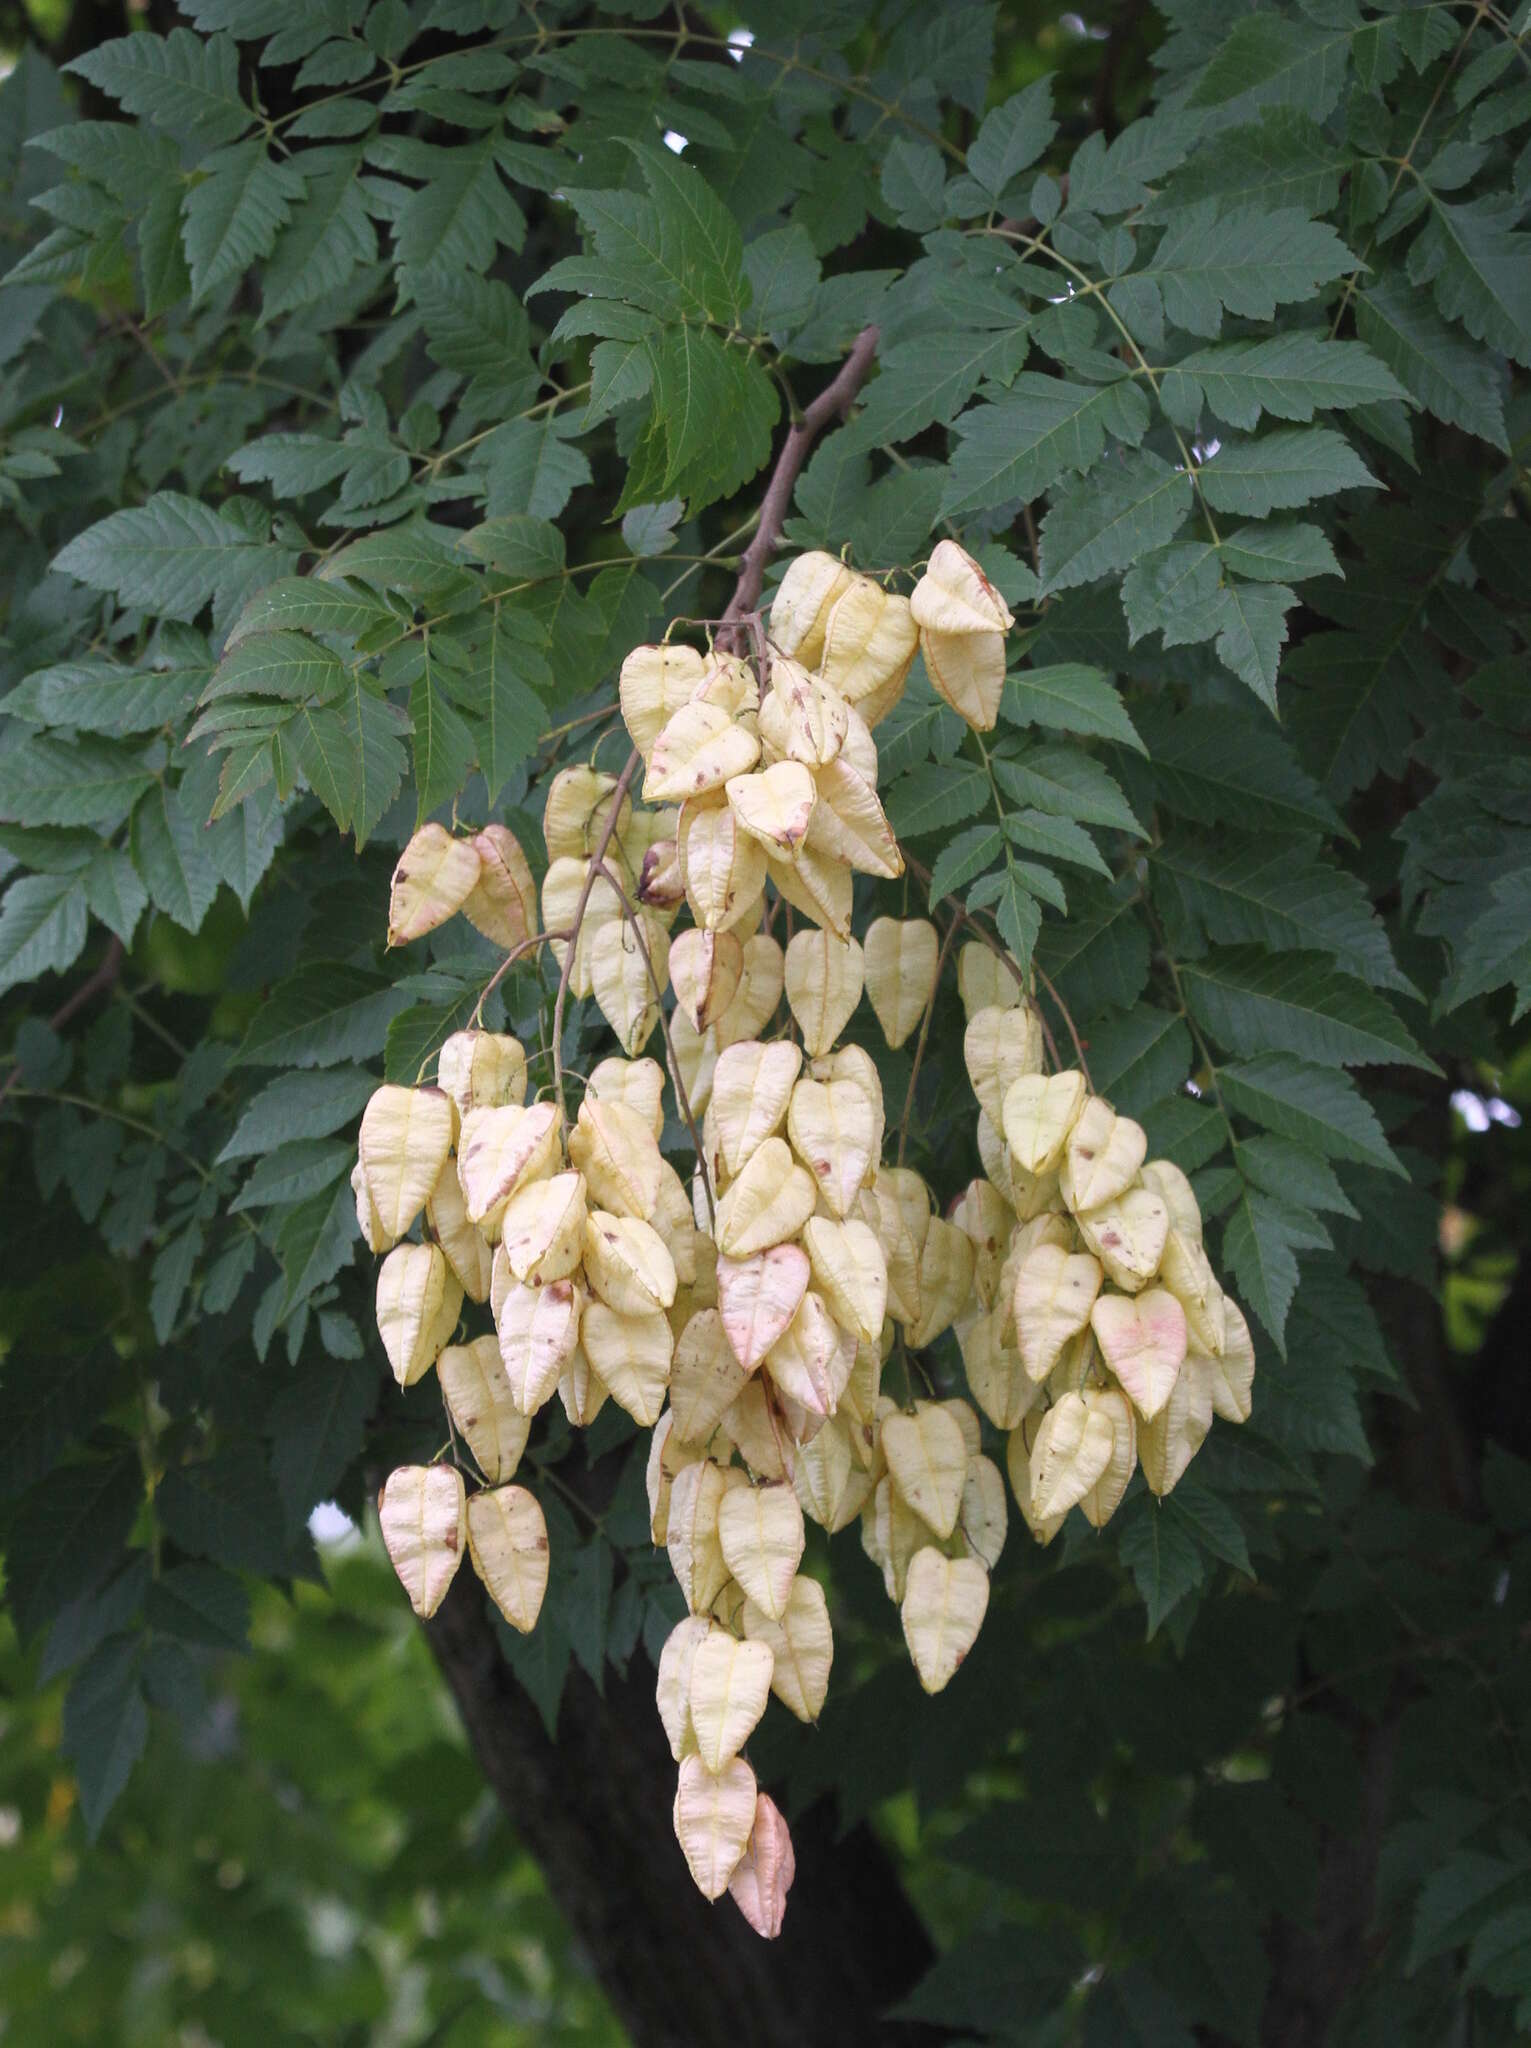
{"x": 482, "y": 1070}
{"x": 756, "y": 1430}
{"x": 723, "y": 868}
{"x": 668, "y": 1454}
{"x": 774, "y": 805}
{"x": 661, "y": 878}
{"x": 996, "y": 1372}
{"x": 730, "y": 1684}
{"x": 927, "y": 1459}
{"x": 1128, "y": 1235}
{"x": 562, "y": 887}
{"x": 759, "y": 991}
{"x": 849, "y": 823}
{"x": 760, "y": 1531}
{"x": 696, "y": 1058}
{"x": 637, "y": 1085}
{"x": 1142, "y": 1339}
{"x": 632, "y": 1354}
{"x": 805, "y": 718}
{"x": 985, "y": 1218}
{"x": 508, "y": 1542}
{"x": 623, "y": 981}
{"x": 764, "y": 1873}
{"x": 999, "y": 1047}
{"x": 962, "y": 621}
{"x": 459, "y": 1237}
{"x": 500, "y": 1151}
{"x": 850, "y": 1271}
{"x": 1186, "y": 1271}
{"x": 1231, "y": 1374}
{"x": 984, "y": 981}
{"x": 751, "y": 1086}
{"x": 800, "y": 609}
{"x": 705, "y": 1376}
{"x": 714, "y": 1817}
{"x": 1038, "y": 1114}
{"x": 812, "y": 1359}
{"x": 996, "y": 1157}
{"x": 1171, "y": 1185}
{"x": 769, "y": 1202}
{"x": 627, "y": 1265}
{"x": 1167, "y": 1445}
{"x": 701, "y": 748}
{"x": 944, "y": 1604}
{"x": 824, "y": 978}
{"x": 691, "y": 1539}
{"x": 501, "y": 1280}
{"x": 543, "y": 1229}
{"x": 538, "y": 1329}
{"x": 1105, "y": 1496}
{"x": 503, "y": 904}
{"x": 673, "y": 1220}
{"x": 816, "y": 885}
{"x": 1055, "y": 1291}
{"x": 802, "y": 1644}
{"x": 823, "y": 1472}
{"x": 477, "y": 1396}
{"x": 615, "y": 1148}
{"x": 578, "y": 810}
{"x": 580, "y": 1390}
{"x": 672, "y": 1693}
{"x": 705, "y": 971}
{"x": 946, "y": 1281}
{"x": 966, "y": 1419}
{"x": 406, "y": 1134}
{"x": 901, "y": 959}
{"x": 758, "y": 1297}
{"x": 424, "y": 1519}
{"x": 1072, "y": 1452}
{"x": 835, "y": 1130}
{"x": 870, "y": 639}
{"x": 418, "y": 1303}
{"x": 653, "y": 684}
{"x": 1102, "y": 1156}
{"x": 729, "y": 682}
{"x": 434, "y": 878}
{"x": 1018, "y": 1467}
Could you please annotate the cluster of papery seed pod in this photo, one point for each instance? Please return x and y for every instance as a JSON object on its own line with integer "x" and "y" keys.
{"x": 747, "y": 1323}
{"x": 1099, "y": 1337}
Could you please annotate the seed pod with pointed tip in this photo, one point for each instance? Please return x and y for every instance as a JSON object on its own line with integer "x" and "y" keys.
{"x": 705, "y": 969}
{"x": 901, "y": 960}
{"x": 632, "y": 1355}
{"x": 459, "y": 1237}
{"x": 503, "y": 905}
{"x": 870, "y": 641}
{"x": 801, "y": 607}
{"x": 434, "y": 878}
{"x": 824, "y": 978}
{"x": 637, "y": 1084}
{"x": 477, "y": 1394}
{"x": 616, "y": 1148}
{"x": 999, "y": 1046}
{"x": 817, "y": 886}
{"x": 945, "y": 1600}
{"x": 424, "y": 1519}
{"x": 418, "y": 1302}
{"x": 751, "y": 1087}
{"x": 985, "y": 981}
{"x": 406, "y": 1135}
{"x": 623, "y": 981}
{"x": 700, "y": 748}
{"x": 714, "y": 1817}
{"x": 963, "y": 621}
{"x": 763, "y": 1875}
{"x": 508, "y": 1543}
{"x": 774, "y": 806}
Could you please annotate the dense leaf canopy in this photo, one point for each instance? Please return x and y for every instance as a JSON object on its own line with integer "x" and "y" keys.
{"x": 373, "y": 375}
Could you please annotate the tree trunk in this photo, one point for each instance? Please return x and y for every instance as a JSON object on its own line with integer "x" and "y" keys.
{"x": 594, "y": 1810}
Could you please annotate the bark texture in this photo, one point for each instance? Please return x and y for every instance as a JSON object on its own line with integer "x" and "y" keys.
{"x": 595, "y": 1812}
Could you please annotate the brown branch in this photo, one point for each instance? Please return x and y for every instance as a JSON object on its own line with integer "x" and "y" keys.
{"x": 835, "y": 398}
{"x": 101, "y": 977}
{"x": 681, "y": 1097}
{"x": 521, "y": 946}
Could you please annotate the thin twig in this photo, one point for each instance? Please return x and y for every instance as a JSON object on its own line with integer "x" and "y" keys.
{"x": 101, "y": 978}
{"x": 1063, "y": 1011}
{"x": 629, "y": 911}
{"x": 835, "y": 398}
{"x": 521, "y": 946}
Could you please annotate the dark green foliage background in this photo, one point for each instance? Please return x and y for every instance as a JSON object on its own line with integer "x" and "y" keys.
{"x": 371, "y": 378}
